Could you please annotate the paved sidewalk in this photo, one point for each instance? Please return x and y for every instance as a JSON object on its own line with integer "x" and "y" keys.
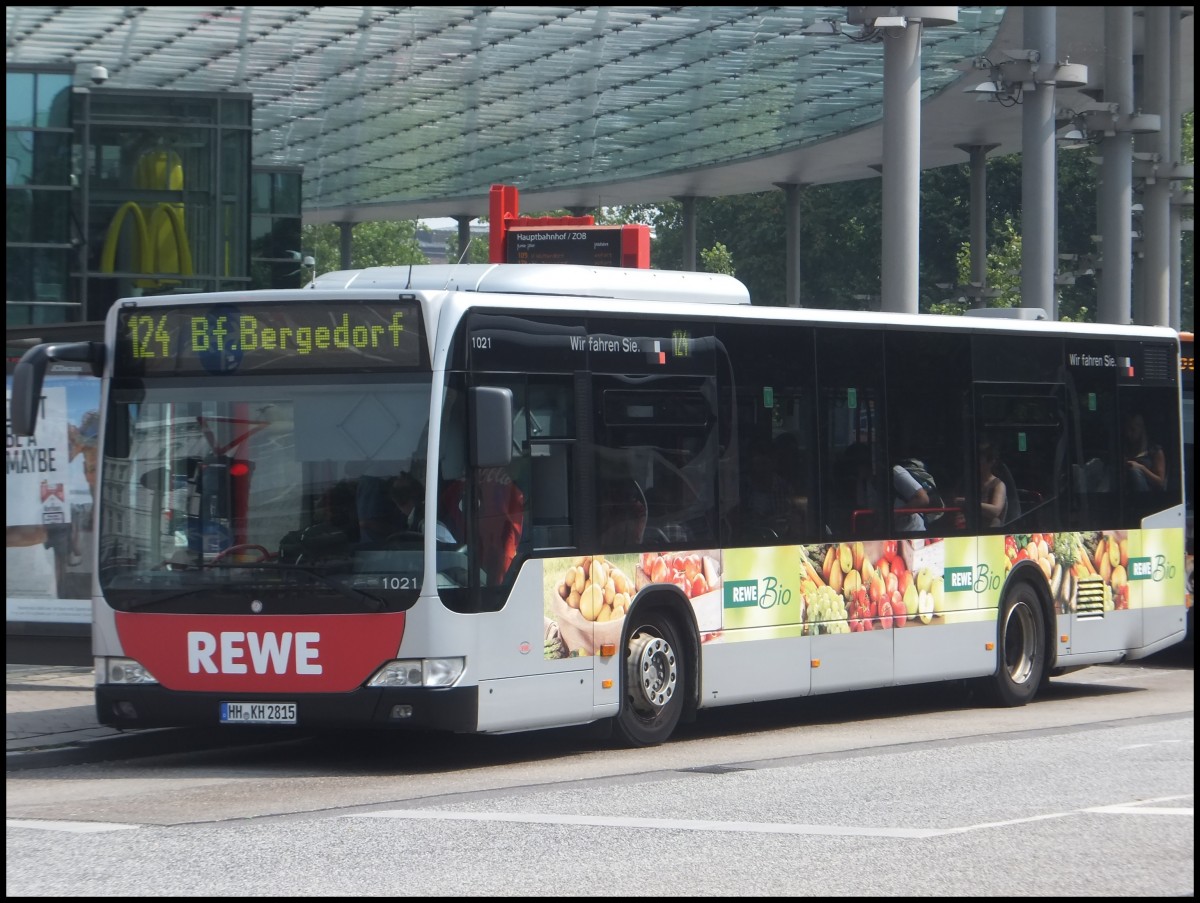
{"x": 50, "y": 719}
{"x": 50, "y": 708}
{"x": 49, "y": 705}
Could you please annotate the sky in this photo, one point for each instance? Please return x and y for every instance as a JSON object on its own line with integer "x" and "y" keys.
{"x": 440, "y": 223}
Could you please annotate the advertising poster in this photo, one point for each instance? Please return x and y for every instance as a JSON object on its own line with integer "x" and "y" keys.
{"x": 49, "y": 485}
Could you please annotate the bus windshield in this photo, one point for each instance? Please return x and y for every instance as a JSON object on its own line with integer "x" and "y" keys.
{"x": 296, "y": 496}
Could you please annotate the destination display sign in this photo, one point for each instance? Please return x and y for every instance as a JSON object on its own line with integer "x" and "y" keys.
{"x": 284, "y": 337}
{"x": 587, "y": 245}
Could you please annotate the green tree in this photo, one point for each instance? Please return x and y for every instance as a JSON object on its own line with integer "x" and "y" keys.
{"x": 1003, "y": 269}
{"x": 717, "y": 259}
{"x": 373, "y": 244}
{"x": 478, "y": 249}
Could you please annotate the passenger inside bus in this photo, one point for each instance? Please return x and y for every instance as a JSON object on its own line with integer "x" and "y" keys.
{"x": 408, "y": 495}
{"x": 500, "y": 519}
{"x": 333, "y": 532}
{"x": 1145, "y": 463}
{"x": 378, "y": 515}
{"x": 993, "y": 493}
{"x": 909, "y": 495}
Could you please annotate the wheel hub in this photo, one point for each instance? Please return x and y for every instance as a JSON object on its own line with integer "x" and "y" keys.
{"x": 653, "y": 672}
{"x": 1019, "y": 650}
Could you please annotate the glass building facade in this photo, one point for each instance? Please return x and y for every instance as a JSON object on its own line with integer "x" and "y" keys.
{"x": 116, "y": 193}
{"x": 41, "y": 242}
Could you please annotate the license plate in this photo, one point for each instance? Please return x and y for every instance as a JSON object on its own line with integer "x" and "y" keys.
{"x": 258, "y": 713}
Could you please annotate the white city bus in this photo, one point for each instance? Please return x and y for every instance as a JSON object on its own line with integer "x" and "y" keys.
{"x": 496, "y": 498}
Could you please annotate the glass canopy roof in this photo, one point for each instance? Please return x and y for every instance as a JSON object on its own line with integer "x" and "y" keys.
{"x": 387, "y": 106}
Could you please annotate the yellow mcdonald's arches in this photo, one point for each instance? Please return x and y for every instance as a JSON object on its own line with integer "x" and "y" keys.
{"x": 160, "y": 245}
{"x": 166, "y": 222}
{"x": 143, "y": 259}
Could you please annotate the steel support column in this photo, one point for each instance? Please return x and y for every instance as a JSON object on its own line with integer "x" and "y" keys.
{"x": 791, "y": 215}
{"x": 1039, "y": 215}
{"x": 345, "y": 243}
{"x": 1156, "y": 216}
{"x": 900, "y": 285}
{"x": 688, "y": 204}
{"x": 464, "y": 236}
{"x": 1174, "y": 126}
{"x": 1116, "y": 171}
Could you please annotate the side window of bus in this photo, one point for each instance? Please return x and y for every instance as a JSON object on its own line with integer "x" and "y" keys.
{"x": 545, "y": 431}
{"x": 928, "y": 405}
{"x": 500, "y": 500}
{"x": 768, "y": 487}
{"x": 855, "y": 477}
{"x": 655, "y": 455}
{"x": 1149, "y": 452}
{"x": 1095, "y": 447}
{"x": 1026, "y": 426}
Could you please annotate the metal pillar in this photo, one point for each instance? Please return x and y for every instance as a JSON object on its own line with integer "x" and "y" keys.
{"x": 1038, "y": 177}
{"x": 791, "y": 194}
{"x": 900, "y": 284}
{"x": 978, "y": 213}
{"x": 1156, "y": 217}
{"x": 346, "y": 243}
{"x": 464, "y": 236}
{"x": 1173, "y": 124}
{"x": 689, "y": 231}
{"x": 1116, "y": 173}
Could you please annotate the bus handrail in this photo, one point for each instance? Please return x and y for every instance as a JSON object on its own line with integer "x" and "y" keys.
{"x": 865, "y": 512}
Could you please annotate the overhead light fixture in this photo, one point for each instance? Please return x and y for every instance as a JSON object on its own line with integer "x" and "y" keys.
{"x": 996, "y": 87}
{"x": 890, "y": 22}
{"x": 1073, "y": 139}
{"x": 1070, "y": 75}
{"x": 821, "y": 27}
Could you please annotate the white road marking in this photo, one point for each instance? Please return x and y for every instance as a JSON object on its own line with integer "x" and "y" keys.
{"x": 658, "y": 824}
{"x": 70, "y": 827}
{"x": 1140, "y": 807}
{"x": 1155, "y": 743}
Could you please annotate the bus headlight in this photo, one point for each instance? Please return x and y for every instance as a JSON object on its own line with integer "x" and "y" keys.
{"x": 122, "y": 671}
{"x": 419, "y": 672}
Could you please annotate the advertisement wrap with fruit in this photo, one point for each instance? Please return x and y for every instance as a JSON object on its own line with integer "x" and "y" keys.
{"x": 1095, "y": 572}
{"x": 854, "y": 587}
{"x": 587, "y": 597}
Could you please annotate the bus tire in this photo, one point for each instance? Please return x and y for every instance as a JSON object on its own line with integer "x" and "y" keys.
{"x": 1020, "y": 647}
{"x": 652, "y": 694}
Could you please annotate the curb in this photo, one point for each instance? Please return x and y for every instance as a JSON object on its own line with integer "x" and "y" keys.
{"x": 160, "y": 741}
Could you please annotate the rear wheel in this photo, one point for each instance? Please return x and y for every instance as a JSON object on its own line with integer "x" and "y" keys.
{"x": 653, "y": 691}
{"x": 1021, "y": 647}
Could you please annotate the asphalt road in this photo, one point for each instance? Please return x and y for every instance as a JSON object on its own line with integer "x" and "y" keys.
{"x": 908, "y": 791}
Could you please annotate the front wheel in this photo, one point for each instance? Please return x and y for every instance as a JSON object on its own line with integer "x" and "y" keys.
{"x": 653, "y": 692}
{"x": 1021, "y": 647}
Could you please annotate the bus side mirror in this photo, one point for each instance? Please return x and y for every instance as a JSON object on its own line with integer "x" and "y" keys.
{"x": 491, "y": 426}
{"x": 30, "y": 374}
